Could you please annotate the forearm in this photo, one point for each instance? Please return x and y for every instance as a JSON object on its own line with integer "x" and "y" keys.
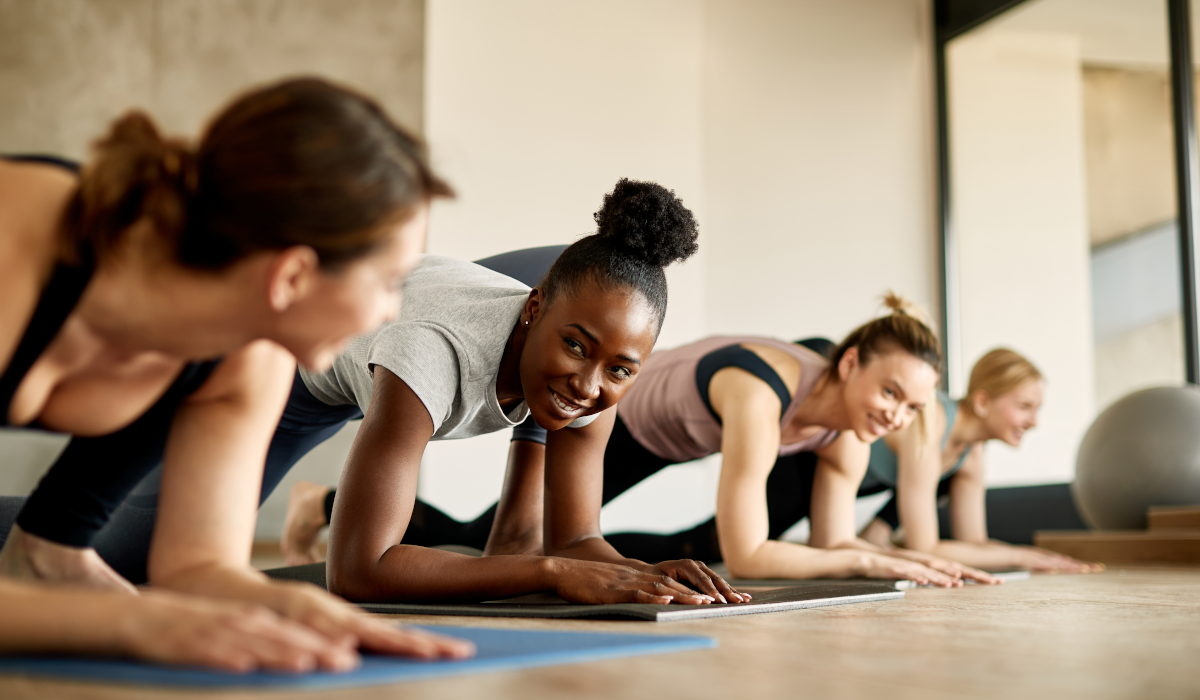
{"x": 224, "y": 581}
{"x": 786, "y": 560}
{"x": 596, "y": 548}
{"x": 420, "y": 574}
{"x": 988, "y": 555}
{"x": 42, "y": 619}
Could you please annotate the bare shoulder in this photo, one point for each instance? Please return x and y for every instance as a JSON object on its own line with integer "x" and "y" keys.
{"x": 32, "y": 199}
{"x": 846, "y": 450}
{"x": 736, "y": 392}
{"x": 259, "y": 369}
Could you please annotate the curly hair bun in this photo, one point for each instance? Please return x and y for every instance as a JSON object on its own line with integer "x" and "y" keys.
{"x": 649, "y": 221}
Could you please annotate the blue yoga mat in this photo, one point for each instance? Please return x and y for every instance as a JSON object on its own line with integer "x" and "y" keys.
{"x": 498, "y": 650}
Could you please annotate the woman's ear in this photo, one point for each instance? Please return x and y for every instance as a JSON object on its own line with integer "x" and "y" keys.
{"x": 980, "y": 403}
{"x": 534, "y": 306}
{"x": 848, "y": 363}
{"x": 291, "y": 276}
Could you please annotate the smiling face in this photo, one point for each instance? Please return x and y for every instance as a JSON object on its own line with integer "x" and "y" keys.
{"x": 1010, "y": 414}
{"x": 583, "y": 351}
{"x": 354, "y": 298}
{"x": 886, "y": 393}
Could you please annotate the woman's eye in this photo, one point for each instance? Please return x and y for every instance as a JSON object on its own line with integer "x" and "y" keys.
{"x": 622, "y": 372}
{"x": 575, "y": 345}
{"x": 888, "y": 392}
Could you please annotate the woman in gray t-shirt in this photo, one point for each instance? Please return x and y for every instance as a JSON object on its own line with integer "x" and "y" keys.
{"x": 474, "y": 352}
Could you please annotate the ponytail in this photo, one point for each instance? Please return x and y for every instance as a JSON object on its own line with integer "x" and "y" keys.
{"x": 642, "y": 228}
{"x": 299, "y": 162}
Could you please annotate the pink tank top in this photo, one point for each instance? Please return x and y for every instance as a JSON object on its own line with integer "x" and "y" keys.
{"x": 665, "y": 413}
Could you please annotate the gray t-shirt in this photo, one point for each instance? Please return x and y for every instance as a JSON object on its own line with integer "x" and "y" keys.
{"x": 454, "y": 323}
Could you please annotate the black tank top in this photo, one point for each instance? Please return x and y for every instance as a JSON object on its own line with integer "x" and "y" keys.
{"x": 58, "y": 299}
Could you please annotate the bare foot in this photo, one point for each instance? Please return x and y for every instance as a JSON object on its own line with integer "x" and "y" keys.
{"x": 32, "y": 558}
{"x": 303, "y": 524}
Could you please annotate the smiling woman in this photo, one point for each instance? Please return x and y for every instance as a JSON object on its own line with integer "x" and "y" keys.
{"x": 758, "y": 401}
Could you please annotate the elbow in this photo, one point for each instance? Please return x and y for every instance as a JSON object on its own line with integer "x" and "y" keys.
{"x": 355, "y": 579}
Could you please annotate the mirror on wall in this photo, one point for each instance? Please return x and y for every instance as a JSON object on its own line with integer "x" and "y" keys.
{"x": 1063, "y": 210}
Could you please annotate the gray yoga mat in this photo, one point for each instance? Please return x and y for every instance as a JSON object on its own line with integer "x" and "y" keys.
{"x": 803, "y": 594}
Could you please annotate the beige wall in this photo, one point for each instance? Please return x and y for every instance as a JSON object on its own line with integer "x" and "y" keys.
{"x": 799, "y": 132}
{"x": 1020, "y": 212}
{"x": 1130, "y": 163}
{"x": 68, "y": 67}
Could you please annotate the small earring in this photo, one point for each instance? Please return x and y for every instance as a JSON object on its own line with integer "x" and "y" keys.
{"x": 527, "y": 323}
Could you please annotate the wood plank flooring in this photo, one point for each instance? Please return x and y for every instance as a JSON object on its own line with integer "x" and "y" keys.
{"x": 1126, "y": 633}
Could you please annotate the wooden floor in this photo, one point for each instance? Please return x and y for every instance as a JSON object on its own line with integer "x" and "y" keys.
{"x": 1132, "y": 633}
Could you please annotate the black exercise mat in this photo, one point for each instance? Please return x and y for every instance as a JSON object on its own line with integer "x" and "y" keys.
{"x": 806, "y": 594}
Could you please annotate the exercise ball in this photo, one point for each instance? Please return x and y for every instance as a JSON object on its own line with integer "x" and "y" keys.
{"x": 1142, "y": 451}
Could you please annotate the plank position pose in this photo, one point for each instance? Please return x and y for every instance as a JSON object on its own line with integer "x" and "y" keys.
{"x": 752, "y": 399}
{"x": 285, "y": 232}
{"x": 1003, "y": 397}
{"x": 473, "y": 352}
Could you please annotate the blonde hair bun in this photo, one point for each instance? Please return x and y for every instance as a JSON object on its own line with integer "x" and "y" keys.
{"x": 897, "y": 304}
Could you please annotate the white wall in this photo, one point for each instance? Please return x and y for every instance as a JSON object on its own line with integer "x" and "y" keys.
{"x": 1019, "y": 184}
{"x": 799, "y": 132}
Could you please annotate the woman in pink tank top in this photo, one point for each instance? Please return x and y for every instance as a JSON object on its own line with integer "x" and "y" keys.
{"x": 756, "y": 399}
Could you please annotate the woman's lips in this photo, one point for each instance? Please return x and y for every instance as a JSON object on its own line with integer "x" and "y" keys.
{"x": 565, "y": 407}
{"x": 877, "y": 428}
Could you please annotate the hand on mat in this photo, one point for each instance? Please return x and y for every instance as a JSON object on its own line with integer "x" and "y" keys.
{"x": 882, "y": 566}
{"x": 233, "y": 636}
{"x": 950, "y": 568}
{"x": 593, "y": 582}
{"x": 33, "y": 558}
{"x": 342, "y": 623}
{"x": 697, "y": 575}
{"x": 1037, "y": 559}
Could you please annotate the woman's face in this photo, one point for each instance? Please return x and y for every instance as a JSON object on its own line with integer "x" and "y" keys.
{"x": 1010, "y": 414}
{"x": 886, "y": 393}
{"x": 355, "y": 298}
{"x": 583, "y": 351}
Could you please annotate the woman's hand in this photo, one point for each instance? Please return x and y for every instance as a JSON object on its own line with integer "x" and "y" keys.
{"x": 32, "y": 558}
{"x": 881, "y": 566}
{"x": 950, "y": 568}
{"x": 241, "y": 637}
{"x": 700, "y": 577}
{"x": 1037, "y": 559}
{"x": 341, "y": 624}
{"x": 592, "y": 582}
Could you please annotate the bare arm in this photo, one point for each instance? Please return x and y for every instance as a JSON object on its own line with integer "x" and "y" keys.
{"x": 209, "y": 499}
{"x": 158, "y": 626}
{"x": 749, "y": 412}
{"x": 518, "y": 525}
{"x": 375, "y": 498}
{"x": 968, "y": 496}
{"x": 574, "y": 487}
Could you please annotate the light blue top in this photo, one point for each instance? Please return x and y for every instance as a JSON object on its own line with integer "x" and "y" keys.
{"x": 882, "y": 467}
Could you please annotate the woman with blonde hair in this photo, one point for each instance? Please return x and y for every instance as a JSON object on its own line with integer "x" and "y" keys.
{"x": 947, "y": 457}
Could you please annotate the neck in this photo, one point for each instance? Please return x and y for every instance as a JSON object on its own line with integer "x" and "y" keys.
{"x": 138, "y": 302}
{"x": 823, "y": 407}
{"x": 508, "y": 379}
{"x": 967, "y": 431}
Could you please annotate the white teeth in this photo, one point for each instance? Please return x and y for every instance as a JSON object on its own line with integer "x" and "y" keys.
{"x": 569, "y": 408}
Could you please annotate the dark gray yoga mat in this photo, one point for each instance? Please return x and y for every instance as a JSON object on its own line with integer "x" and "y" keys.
{"x": 803, "y": 594}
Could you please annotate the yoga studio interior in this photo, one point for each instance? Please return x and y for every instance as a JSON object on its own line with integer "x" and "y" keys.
{"x": 771, "y": 349}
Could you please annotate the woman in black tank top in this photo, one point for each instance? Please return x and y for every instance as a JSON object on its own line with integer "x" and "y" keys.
{"x": 155, "y": 308}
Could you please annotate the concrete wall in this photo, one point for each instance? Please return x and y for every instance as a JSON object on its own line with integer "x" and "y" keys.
{"x": 1020, "y": 208}
{"x": 68, "y": 67}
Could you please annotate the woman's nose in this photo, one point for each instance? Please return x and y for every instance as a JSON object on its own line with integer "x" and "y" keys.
{"x": 586, "y": 384}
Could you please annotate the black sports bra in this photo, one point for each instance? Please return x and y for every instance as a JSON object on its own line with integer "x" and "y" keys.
{"x": 58, "y": 299}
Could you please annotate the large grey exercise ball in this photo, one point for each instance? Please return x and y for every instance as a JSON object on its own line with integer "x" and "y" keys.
{"x": 1142, "y": 451}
